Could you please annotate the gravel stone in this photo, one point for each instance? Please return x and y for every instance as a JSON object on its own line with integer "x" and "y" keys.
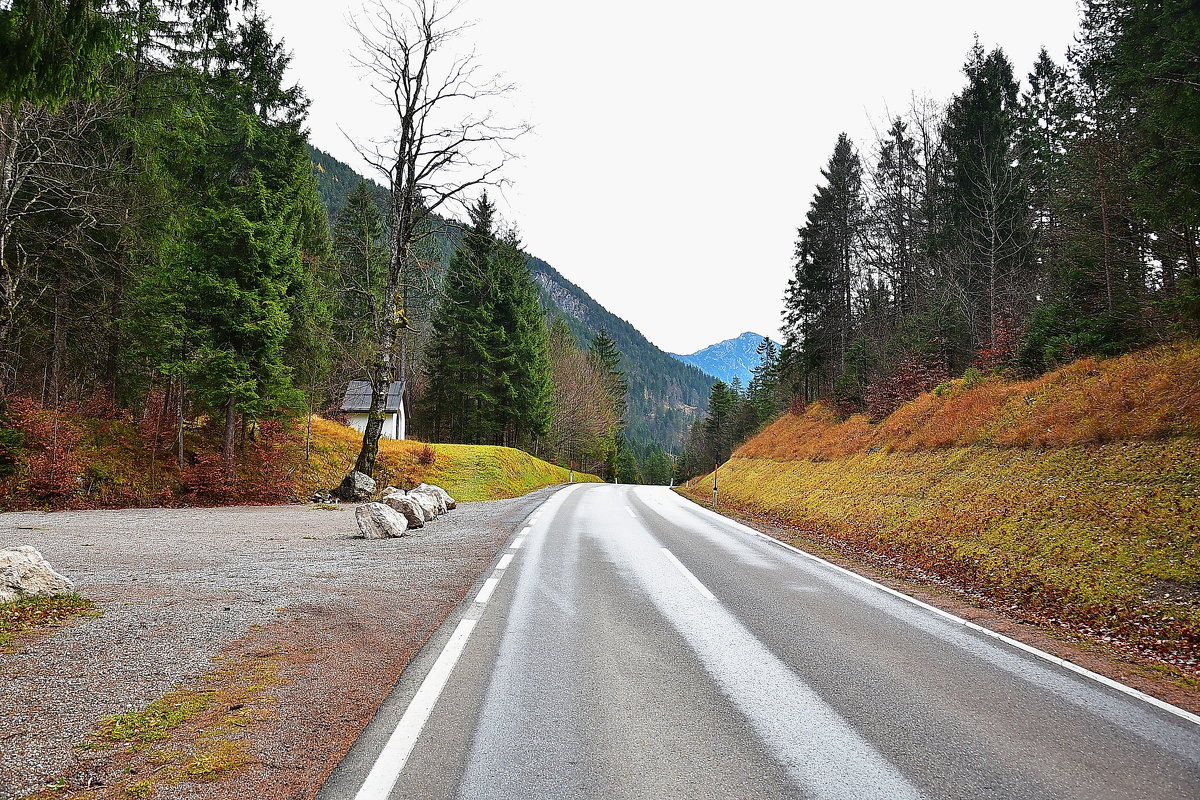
{"x": 177, "y": 585}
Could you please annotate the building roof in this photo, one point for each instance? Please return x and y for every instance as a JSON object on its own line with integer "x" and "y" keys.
{"x": 358, "y": 397}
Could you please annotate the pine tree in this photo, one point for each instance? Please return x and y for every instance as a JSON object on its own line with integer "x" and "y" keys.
{"x": 233, "y": 282}
{"x": 987, "y": 216}
{"x": 818, "y": 308}
{"x": 360, "y": 256}
{"x": 523, "y": 379}
{"x": 461, "y": 398}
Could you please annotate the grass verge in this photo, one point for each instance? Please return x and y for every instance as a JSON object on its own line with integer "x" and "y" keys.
{"x": 30, "y": 613}
{"x": 467, "y": 472}
{"x": 1071, "y": 501}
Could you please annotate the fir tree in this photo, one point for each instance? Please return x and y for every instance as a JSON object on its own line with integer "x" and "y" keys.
{"x": 461, "y": 362}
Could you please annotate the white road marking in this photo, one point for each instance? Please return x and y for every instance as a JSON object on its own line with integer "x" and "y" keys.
{"x": 1033, "y": 651}
{"x": 700, "y": 587}
{"x": 392, "y": 759}
{"x": 629, "y": 511}
{"x": 819, "y": 750}
{"x": 395, "y": 753}
{"x": 485, "y": 593}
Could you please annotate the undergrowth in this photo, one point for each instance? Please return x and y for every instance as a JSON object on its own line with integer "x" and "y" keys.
{"x": 81, "y": 458}
{"x": 28, "y": 613}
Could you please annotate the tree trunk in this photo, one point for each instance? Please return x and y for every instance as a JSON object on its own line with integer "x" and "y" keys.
{"x": 230, "y": 432}
{"x": 179, "y": 426}
{"x": 8, "y": 281}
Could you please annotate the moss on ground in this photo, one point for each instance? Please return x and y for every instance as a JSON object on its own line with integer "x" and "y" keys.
{"x": 31, "y": 613}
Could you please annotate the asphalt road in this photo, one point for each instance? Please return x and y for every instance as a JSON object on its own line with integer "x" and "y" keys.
{"x": 634, "y": 645}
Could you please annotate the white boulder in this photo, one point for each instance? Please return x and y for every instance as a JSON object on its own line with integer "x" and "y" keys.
{"x": 428, "y": 503}
{"x": 25, "y": 573}
{"x": 379, "y": 521}
{"x": 407, "y": 506}
{"x": 446, "y": 499}
{"x": 439, "y": 505}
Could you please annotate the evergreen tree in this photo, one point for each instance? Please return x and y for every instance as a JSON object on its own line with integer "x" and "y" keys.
{"x": 232, "y": 283}
{"x": 986, "y": 224}
{"x": 461, "y": 398}
{"x": 818, "y": 308}
{"x": 523, "y": 380}
{"x": 360, "y": 257}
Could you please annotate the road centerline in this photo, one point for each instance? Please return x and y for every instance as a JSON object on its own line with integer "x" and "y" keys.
{"x": 692, "y": 579}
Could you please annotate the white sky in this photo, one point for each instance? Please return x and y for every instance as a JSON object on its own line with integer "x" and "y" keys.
{"x": 676, "y": 144}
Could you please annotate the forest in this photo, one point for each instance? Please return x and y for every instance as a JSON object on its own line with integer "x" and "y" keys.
{"x": 1015, "y": 227}
{"x": 167, "y": 262}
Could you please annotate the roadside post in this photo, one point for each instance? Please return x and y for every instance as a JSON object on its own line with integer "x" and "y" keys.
{"x": 715, "y": 468}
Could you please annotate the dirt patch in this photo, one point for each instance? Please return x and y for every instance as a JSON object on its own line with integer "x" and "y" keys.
{"x": 282, "y": 632}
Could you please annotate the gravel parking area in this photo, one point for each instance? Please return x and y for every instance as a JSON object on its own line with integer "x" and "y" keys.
{"x": 180, "y": 586}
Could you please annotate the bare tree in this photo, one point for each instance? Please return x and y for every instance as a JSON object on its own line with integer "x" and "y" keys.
{"x": 447, "y": 140}
{"x": 52, "y": 193}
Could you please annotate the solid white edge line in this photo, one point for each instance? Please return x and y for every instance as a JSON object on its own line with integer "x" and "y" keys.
{"x": 1053, "y": 659}
{"x": 700, "y": 587}
{"x": 504, "y": 561}
{"x": 390, "y": 763}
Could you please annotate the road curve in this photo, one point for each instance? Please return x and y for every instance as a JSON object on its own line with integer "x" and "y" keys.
{"x": 634, "y": 645}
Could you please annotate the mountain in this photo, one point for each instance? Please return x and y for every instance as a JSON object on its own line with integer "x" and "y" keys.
{"x": 728, "y": 359}
{"x": 665, "y": 395}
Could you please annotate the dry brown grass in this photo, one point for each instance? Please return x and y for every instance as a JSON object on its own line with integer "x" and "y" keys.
{"x": 1143, "y": 396}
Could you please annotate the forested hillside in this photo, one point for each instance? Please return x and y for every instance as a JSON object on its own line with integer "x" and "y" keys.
{"x": 664, "y": 395}
{"x": 1014, "y": 227}
{"x": 1020, "y": 224}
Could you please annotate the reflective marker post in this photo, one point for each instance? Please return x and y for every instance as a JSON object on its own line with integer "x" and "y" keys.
{"x": 715, "y": 468}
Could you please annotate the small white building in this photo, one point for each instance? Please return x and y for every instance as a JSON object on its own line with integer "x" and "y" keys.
{"x": 358, "y": 403}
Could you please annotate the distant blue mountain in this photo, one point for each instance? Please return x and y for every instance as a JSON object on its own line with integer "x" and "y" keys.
{"x": 728, "y": 359}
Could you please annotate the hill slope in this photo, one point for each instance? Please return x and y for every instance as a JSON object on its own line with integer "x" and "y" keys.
{"x": 732, "y": 358}
{"x": 467, "y": 472}
{"x": 1073, "y": 499}
{"x": 664, "y": 395}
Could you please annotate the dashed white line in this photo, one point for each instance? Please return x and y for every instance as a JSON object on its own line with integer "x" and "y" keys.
{"x": 391, "y": 760}
{"x": 700, "y": 587}
{"x": 485, "y": 593}
{"x": 629, "y": 511}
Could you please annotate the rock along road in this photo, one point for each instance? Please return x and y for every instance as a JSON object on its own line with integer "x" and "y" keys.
{"x": 630, "y": 644}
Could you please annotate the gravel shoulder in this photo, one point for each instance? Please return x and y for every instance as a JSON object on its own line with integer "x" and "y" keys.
{"x": 184, "y": 591}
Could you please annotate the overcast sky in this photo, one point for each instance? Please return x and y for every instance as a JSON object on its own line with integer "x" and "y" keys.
{"x": 676, "y": 144}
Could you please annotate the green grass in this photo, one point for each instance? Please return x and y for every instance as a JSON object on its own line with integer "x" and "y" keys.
{"x": 28, "y": 613}
{"x": 467, "y": 472}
